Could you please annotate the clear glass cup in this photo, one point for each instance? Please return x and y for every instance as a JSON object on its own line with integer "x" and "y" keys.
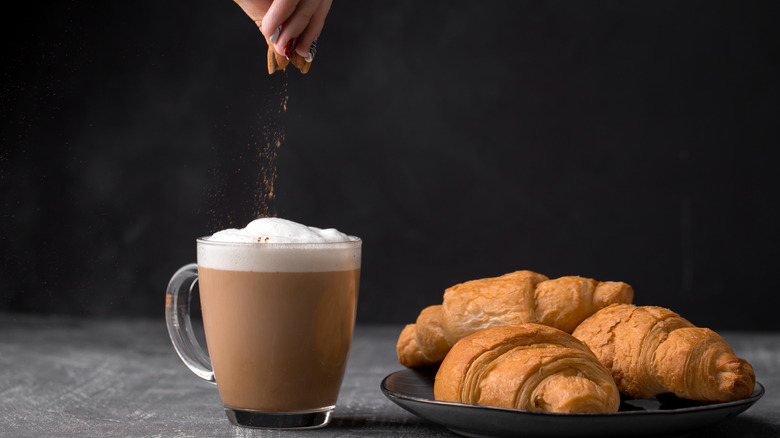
{"x": 278, "y": 320}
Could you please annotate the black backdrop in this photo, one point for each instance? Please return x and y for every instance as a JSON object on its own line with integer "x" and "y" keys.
{"x": 630, "y": 141}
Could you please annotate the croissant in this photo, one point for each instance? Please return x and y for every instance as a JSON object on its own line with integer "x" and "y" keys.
{"x": 652, "y": 350}
{"x": 423, "y": 343}
{"x": 517, "y": 297}
{"x": 526, "y": 366}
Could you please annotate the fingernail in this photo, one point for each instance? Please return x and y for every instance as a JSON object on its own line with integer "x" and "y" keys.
{"x": 275, "y": 35}
{"x": 290, "y": 48}
{"x": 312, "y": 50}
{"x": 309, "y": 56}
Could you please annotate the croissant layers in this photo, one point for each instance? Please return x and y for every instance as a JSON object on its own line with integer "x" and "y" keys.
{"x": 517, "y": 297}
{"x": 652, "y": 350}
{"x": 526, "y": 366}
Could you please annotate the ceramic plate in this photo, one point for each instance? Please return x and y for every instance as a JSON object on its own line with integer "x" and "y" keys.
{"x": 412, "y": 389}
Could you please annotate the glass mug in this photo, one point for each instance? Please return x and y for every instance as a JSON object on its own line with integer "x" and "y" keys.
{"x": 278, "y": 319}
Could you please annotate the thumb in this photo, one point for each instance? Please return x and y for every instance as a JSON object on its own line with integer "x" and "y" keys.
{"x": 256, "y": 10}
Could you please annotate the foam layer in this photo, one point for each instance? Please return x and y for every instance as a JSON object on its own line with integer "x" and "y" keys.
{"x": 279, "y": 245}
{"x": 277, "y": 230}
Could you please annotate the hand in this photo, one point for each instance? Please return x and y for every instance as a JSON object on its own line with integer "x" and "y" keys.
{"x": 288, "y": 24}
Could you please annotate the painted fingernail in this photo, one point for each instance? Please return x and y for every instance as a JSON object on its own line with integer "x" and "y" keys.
{"x": 312, "y": 51}
{"x": 275, "y": 35}
{"x": 290, "y": 48}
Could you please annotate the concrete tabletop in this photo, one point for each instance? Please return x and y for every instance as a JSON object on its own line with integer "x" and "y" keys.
{"x": 71, "y": 377}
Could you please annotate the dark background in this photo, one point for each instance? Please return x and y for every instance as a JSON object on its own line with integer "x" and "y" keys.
{"x": 629, "y": 141}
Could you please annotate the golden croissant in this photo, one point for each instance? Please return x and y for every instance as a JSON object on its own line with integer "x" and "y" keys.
{"x": 517, "y": 297}
{"x": 652, "y": 350}
{"x": 526, "y": 366}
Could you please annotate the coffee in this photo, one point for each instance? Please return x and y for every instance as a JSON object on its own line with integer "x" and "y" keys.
{"x": 278, "y": 341}
{"x": 278, "y": 301}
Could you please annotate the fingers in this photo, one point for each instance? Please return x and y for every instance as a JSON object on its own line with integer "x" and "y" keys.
{"x": 292, "y": 25}
{"x": 278, "y": 12}
{"x": 306, "y": 47}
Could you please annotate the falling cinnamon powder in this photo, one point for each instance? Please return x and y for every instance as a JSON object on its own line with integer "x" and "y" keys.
{"x": 268, "y": 151}
{"x": 247, "y": 183}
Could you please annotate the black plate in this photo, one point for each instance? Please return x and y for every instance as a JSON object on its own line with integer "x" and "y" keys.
{"x": 412, "y": 389}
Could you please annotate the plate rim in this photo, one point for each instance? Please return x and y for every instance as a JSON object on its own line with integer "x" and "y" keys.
{"x": 758, "y": 392}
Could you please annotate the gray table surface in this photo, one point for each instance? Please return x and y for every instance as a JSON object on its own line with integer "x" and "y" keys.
{"x": 68, "y": 377}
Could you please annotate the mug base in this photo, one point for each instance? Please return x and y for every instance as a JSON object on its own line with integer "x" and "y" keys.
{"x": 310, "y": 419}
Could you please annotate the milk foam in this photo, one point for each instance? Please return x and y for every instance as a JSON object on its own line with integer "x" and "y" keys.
{"x": 277, "y": 230}
{"x": 279, "y": 245}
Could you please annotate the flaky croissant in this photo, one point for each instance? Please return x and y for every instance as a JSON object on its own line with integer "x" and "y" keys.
{"x": 517, "y": 297}
{"x": 652, "y": 350}
{"x": 526, "y": 366}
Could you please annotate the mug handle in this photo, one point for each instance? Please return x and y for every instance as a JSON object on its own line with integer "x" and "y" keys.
{"x": 177, "y": 318}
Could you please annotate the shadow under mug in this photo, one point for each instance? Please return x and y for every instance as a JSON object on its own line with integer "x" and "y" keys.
{"x": 278, "y": 320}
